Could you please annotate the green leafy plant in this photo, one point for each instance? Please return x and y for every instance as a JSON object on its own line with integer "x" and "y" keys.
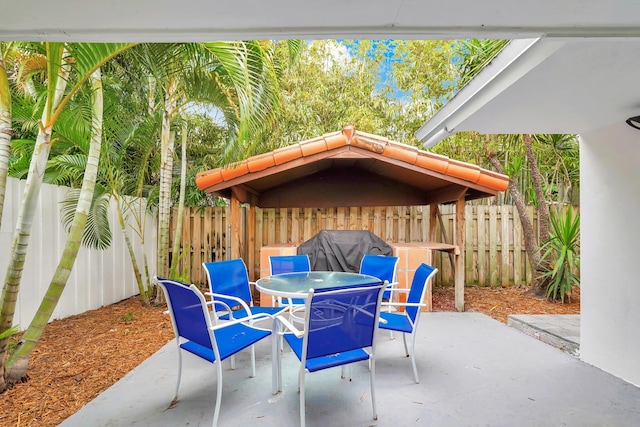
{"x": 10, "y": 332}
{"x": 561, "y": 261}
{"x": 128, "y": 317}
{"x": 12, "y": 344}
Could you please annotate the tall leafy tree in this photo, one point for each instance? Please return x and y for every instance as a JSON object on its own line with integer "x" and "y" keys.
{"x": 61, "y": 85}
{"x": 387, "y": 87}
{"x": 475, "y": 55}
{"x": 16, "y": 366}
{"x": 238, "y": 78}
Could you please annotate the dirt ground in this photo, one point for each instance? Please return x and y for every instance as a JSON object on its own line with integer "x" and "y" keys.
{"x": 81, "y": 356}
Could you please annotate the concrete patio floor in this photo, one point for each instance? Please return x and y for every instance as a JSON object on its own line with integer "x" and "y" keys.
{"x": 474, "y": 371}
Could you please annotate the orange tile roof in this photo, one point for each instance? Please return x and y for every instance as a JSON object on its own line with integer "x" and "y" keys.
{"x": 350, "y": 137}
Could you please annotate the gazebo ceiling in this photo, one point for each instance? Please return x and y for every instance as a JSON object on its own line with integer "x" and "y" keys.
{"x": 350, "y": 168}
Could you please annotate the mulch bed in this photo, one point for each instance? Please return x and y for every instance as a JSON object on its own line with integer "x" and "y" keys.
{"x": 80, "y": 356}
{"x": 499, "y": 302}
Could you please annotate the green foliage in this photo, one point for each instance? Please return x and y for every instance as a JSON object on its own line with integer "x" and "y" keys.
{"x": 174, "y": 270}
{"x": 475, "y": 55}
{"x": 129, "y": 317}
{"x": 10, "y": 332}
{"x": 97, "y": 232}
{"x": 385, "y": 87}
{"x": 12, "y": 344}
{"x": 561, "y": 261}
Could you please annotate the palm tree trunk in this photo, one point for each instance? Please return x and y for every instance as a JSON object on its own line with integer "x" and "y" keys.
{"x": 136, "y": 270}
{"x": 536, "y": 178}
{"x": 16, "y": 366}
{"x": 166, "y": 170}
{"x": 528, "y": 234}
{"x": 28, "y": 209}
{"x": 138, "y": 207}
{"x": 177, "y": 238}
{"x": 5, "y": 130}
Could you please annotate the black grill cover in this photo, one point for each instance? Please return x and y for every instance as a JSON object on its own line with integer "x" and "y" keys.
{"x": 342, "y": 250}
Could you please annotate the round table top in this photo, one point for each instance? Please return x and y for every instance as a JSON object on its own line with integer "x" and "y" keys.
{"x": 297, "y": 285}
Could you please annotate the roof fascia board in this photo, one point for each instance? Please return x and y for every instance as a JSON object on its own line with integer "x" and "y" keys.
{"x": 512, "y": 63}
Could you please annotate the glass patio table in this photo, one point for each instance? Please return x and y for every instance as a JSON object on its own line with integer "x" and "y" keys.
{"x": 297, "y": 285}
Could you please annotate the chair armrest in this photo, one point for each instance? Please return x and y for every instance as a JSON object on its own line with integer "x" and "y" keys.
{"x": 225, "y": 305}
{"x": 248, "y": 319}
{"x": 230, "y": 297}
{"x": 396, "y": 289}
{"x": 402, "y": 304}
{"x": 289, "y": 326}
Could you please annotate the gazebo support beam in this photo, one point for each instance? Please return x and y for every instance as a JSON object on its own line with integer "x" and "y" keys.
{"x": 235, "y": 226}
{"x": 251, "y": 259}
{"x": 459, "y": 278}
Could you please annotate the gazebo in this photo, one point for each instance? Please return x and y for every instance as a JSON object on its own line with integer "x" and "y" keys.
{"x": 350, "y": 168}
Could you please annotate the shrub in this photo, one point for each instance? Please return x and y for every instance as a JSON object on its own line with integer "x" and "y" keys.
{"x": 560, "y": 259}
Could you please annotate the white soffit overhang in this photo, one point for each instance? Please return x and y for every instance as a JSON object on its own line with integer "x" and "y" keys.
{"x": 546, "y": 85}
{"x": 512, "y": 63}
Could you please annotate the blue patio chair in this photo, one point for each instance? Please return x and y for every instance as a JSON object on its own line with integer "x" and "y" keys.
{"x": 407, "y": 321}
{"x": 279, "y": 264}
{"x": 196, "y": 334}
{"x": 384, "y": 268}
{"x": 229, "y": 284}
{"x": 339, "y": 329}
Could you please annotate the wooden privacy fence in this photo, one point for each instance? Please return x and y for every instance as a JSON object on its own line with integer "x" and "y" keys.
{"x": 494, "y": 252}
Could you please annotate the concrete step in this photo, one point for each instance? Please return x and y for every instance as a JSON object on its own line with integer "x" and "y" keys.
{"x": 559, "y": 330}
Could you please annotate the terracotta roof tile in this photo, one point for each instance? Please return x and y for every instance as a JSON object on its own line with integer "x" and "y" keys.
{"x": 285, "y": 154}
{"x": 313, "y": 146}
{"x": 261, "y": 162}
{"x": 462, "y": 170}
{"x": 431, "y": 161}
{"x": 362, "y": 140}
{"x": 336, "y": 141}
{"x": 405, "y": 153}
{"x": 235, "y": 171}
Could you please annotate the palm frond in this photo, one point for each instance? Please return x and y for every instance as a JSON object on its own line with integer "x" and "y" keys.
{"x": 97, "y": 233}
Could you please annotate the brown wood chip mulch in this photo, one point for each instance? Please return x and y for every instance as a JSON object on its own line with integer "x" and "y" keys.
{"x": 80, "y": 356}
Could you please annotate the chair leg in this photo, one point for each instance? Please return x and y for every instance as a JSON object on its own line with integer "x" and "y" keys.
{"x": 253, "y": 362}
{"x": 413, "y": 359}
{"x": 175, "y": 397}
{"x": 404, "y": 340}
{"x": 276, "y": 359}
{"x": 302, "y": 399}
{"x": 216, "y": 412}
{"x": 389, "y": 311}
{"x": 345, "y": 370}
{"x": 372, "y": 375}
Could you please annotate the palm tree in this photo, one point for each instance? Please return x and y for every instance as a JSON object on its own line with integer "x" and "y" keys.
{"x": 17, "y": 364}
{"x": 5, "y": 129}
{"x": 87, "y": 58}
{"x": 236, "y": 77}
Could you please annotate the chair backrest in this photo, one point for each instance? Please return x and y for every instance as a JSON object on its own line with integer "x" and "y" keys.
{"x": 188, "y": 309}
{"x": 381, "y": 266}
{"x": 418, "y": 288}
{"x": 340, "y": 320}
{"x": 279, "y": 264}
{"x": 230, "y": 278}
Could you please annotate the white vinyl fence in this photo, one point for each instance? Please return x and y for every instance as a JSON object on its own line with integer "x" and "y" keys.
{"x": 98, "y": 278}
